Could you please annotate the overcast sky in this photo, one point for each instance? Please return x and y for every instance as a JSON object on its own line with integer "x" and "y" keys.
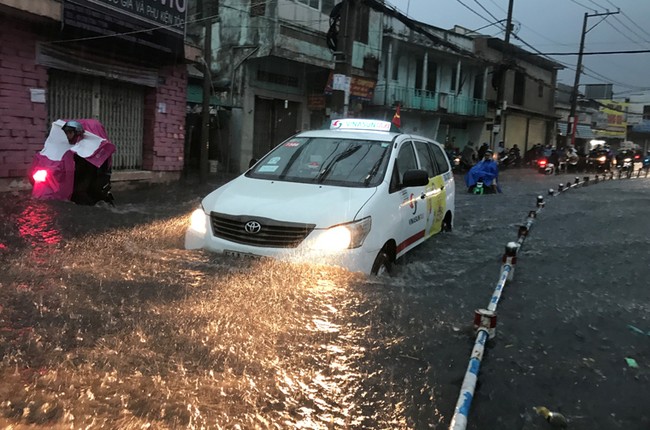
{"x": 555, "y": 26}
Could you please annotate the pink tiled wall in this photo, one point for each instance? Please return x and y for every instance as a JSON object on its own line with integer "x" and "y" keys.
{"x": 22, "y": 122}
{"x": 164, "y": 121}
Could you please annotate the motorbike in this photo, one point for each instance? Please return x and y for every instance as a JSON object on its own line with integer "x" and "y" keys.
{"x": 599, "y": 161}
{"x": 572, "y": 161}
{"x": 624, "y": 162}
{"x": 510, "y": 159}
{"x": 454, "y": 159}
{"x": 482, "y": 178}
{"x": 544, "y": 166}
{"x": 645, "y": 164}
{"x": 78, "y": 172}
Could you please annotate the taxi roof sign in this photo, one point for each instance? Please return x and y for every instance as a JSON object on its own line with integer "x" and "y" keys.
{"x": 360, "y": 124}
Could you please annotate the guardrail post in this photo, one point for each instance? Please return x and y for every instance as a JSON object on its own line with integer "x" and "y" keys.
{"x": 485, "y": 319}
{"x": 510, "y": 258}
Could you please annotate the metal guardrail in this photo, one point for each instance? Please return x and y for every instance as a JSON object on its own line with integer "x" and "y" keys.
{"x": 485, "y": 319}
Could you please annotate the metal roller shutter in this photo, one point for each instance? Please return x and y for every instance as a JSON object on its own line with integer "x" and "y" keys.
{"x": 118, "y": 105}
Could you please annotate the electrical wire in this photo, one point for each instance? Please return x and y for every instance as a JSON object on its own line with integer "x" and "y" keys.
{"x": 643, "y": 30}
{"x": 498, "y": 22}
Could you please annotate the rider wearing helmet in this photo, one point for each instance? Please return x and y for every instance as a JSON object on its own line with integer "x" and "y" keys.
{"x": 73, "y": 130}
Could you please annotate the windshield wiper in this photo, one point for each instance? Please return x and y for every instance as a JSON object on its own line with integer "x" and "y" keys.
{"x": 328, "y": 168}
{"x": 375, "y": 168}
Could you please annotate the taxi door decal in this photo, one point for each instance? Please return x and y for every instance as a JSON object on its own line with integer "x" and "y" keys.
{"x": 436, "y": 197}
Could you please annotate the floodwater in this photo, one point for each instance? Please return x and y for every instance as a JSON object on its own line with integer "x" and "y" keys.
{"x": 256, "y": 344}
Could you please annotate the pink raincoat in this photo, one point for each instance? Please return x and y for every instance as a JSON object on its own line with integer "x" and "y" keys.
{"x": 52, "y": 172}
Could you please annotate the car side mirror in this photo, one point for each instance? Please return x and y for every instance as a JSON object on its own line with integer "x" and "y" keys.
{"x": 415, "y": 178}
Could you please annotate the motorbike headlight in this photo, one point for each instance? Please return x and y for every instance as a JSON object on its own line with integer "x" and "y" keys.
{"x": 344, "y": 236}
{"x": 627, "y": 160}
{"x": 602, "y": 158}
{"x": 198, "y": 221}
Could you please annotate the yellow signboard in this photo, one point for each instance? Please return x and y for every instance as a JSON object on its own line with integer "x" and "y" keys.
{"x": 612, "y": 119}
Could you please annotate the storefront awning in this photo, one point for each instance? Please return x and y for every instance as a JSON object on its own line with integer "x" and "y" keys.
{"x": 582, "y": 131}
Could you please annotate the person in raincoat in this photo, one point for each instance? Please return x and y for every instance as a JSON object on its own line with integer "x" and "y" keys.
{"x": 486, "y": 173}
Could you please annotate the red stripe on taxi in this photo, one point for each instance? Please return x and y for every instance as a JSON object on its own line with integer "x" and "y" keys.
{"x": 419, "y": 235}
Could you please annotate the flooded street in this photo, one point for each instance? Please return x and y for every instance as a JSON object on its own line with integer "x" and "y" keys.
{"x": 107, "y": 322}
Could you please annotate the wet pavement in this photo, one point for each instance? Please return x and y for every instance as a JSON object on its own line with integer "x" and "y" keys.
{"x": 281, "y": 346}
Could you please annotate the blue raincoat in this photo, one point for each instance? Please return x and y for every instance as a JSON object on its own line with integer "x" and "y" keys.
{"x": 484, "y": 171}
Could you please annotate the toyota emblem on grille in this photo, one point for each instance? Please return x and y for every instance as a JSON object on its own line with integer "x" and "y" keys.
{"x": 252, "y": 227}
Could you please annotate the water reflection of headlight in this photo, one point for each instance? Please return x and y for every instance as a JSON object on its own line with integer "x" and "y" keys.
{"x": 344, "y": 236}
{"x": 197, "y": 221}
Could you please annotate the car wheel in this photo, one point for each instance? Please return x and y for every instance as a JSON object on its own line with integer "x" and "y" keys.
{"x": 446, "y": 223}
{"x": 382, "y": 265}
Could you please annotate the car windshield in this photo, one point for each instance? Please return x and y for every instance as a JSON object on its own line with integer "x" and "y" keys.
{"x": 326, "y": 160}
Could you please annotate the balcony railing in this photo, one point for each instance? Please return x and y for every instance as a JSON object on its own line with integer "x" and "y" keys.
{"x": 389, "y": 95}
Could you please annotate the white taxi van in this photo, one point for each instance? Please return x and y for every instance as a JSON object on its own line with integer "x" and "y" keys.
{"x": 358, "y": 195}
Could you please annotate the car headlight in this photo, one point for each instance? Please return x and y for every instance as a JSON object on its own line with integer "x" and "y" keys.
{"x": 198, "y": 221}
{"x": 344, "y": 236}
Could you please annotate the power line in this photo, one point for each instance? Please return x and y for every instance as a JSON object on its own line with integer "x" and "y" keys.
{"x": 475, "y": 12}
{"x": 486, "y": 11}
{"x": 634, "y": 51}
{"x": 618, "y": 30}
{"x": 582, "y": 5}
{"x": 599, "y": 6}
{"x": 643, "y": 30}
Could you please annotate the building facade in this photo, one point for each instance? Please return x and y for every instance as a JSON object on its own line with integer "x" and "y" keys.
{"x": 66, "y": 59}
{"x": 525, "y": 112}
{"x": 435, "y": 78}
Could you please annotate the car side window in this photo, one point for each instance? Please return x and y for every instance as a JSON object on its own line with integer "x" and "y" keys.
{"x": 441, "y": 159}
{"x": 426, "y": 159}
{"x": 405, "y": 160}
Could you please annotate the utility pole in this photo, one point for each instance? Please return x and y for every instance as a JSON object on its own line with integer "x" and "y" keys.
{"x": 207, "y": 85}
{"x": 500, "y": 120}
{"x": 572, "y": 120}
{"x": 343, "y": 61}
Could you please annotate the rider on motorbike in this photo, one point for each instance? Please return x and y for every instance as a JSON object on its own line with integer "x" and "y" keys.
{"x": 625, "y": 160}
{"x": 468, "y": 156}
{"x": 485, "y": 172}
{"x": 91, "y": 183}
{"x": 73, "y": 131}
